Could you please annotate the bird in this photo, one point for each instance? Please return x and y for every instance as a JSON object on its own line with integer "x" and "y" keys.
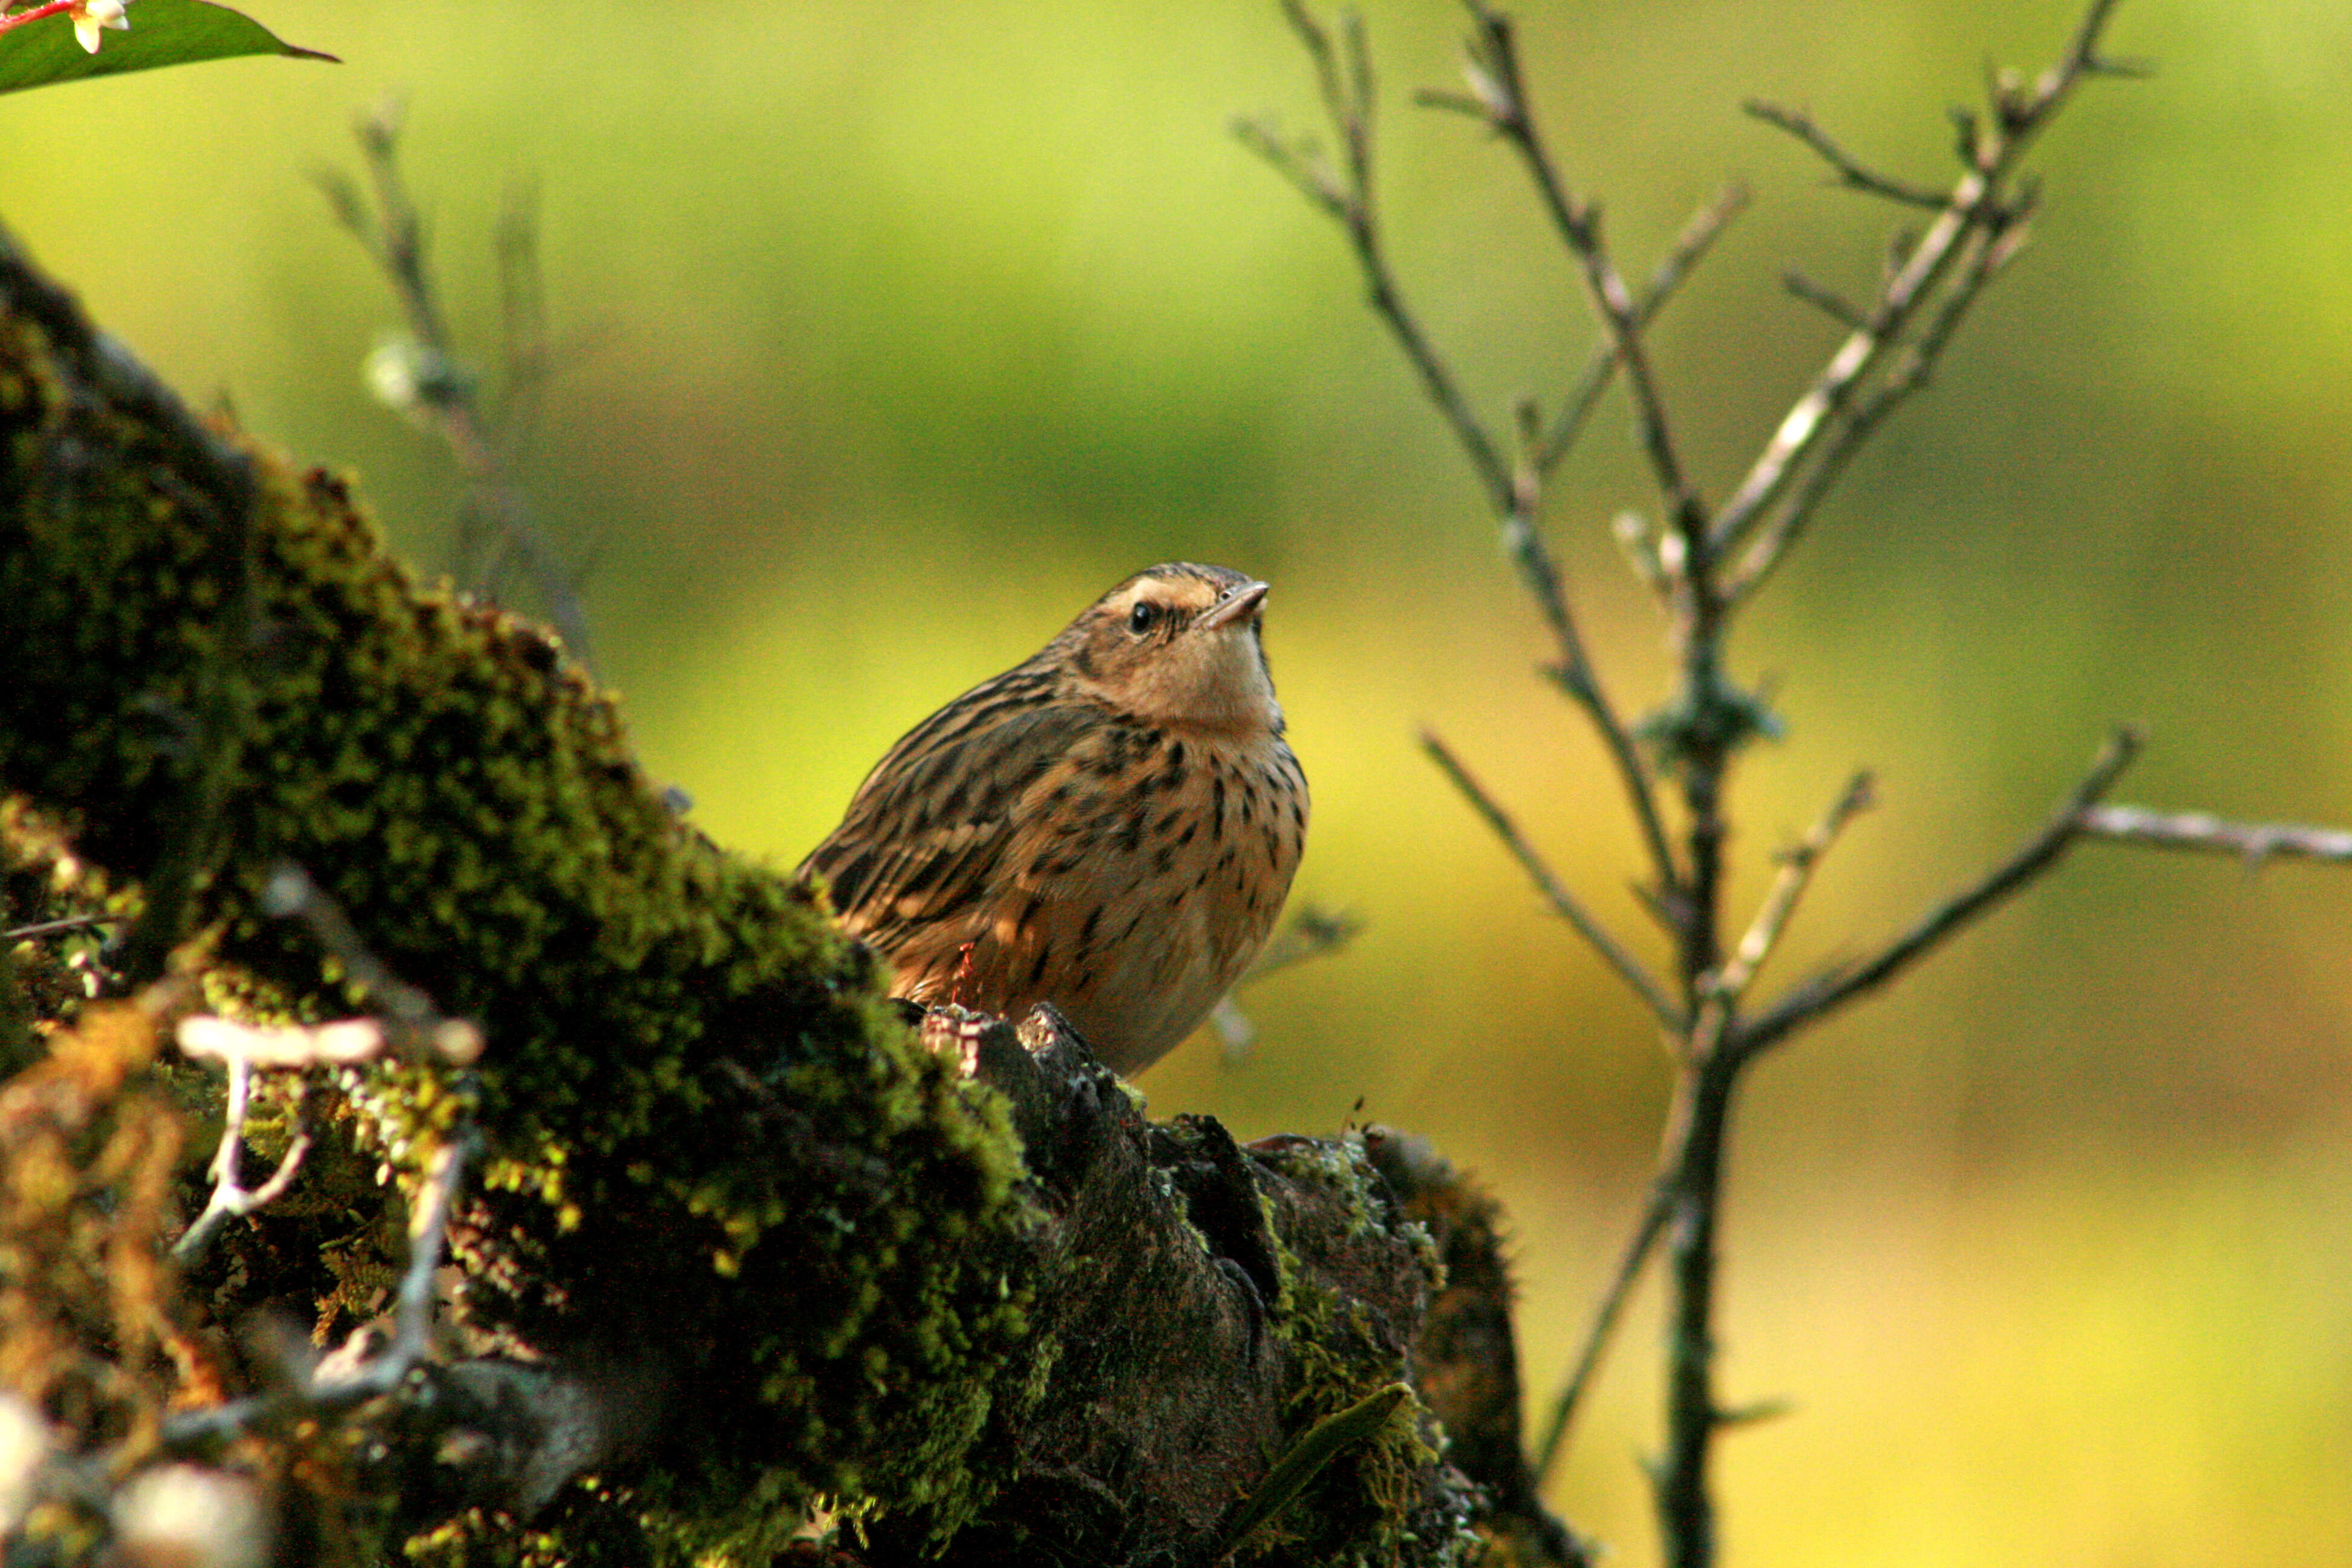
{"x": 1110, "y": 827}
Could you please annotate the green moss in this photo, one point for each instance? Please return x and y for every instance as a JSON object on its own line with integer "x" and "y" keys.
{"x": 710, "y": 1141}
{"x": 1371, "y": 1505}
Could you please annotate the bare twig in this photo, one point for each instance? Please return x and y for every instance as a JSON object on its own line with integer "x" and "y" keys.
{"x": 1578, "y": 679}
{"x": 1709, "y": 709}
{"x": 2254, "y": 842}
{"x": 1553, "y": 1441}
{"x": 230, "y": 1197}
{"x": 422, "y": 377}
{"x": 412, "y": 1026}
{"x": 330, "y": 1386}
{"x": 1690, "y": 247}
{"x": 1514, "y": 491}
{"x": 347, "y": 1042}
{"x": 1986, "y": 253}
{"x": 1850, "y": 171}
{"x": 428, "y": 1229}
{"x": 1827, "y": 302}
{"x": 1493, "y": 67}
{"x": 58, "y": 927}
{"x": 1815, "y": 998}
{"x": 1562, "y": 902}
{"x": 1975, "y": 201}
{"x": 1348, "y": 197}
{"x": 1893, "y": 345}
{"x": 1796, "y": 872}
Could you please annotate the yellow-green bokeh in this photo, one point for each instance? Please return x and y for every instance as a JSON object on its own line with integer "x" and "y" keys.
{"x": 889, "y": 334}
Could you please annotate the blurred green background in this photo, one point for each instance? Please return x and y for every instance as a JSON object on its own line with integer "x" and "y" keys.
{"x": 889, "y": 335}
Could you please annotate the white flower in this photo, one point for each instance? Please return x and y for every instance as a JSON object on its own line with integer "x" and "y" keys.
{"x": 89, "y": 16}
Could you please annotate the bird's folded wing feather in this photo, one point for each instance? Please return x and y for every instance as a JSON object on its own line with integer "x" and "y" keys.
{"x": 932, "y": 829}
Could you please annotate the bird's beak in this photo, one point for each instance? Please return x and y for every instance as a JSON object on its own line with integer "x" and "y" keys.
{"x": 1242, "y": 601}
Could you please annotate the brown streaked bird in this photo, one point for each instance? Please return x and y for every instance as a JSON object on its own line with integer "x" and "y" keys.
{"x": 1110, "y": 825}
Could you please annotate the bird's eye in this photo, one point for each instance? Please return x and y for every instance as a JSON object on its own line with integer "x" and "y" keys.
{"x": 1142, "y": 619}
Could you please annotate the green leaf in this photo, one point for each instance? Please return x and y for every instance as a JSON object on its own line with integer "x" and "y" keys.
{"x": 161, "y": 33}
{"x": 1329, "y": 1438}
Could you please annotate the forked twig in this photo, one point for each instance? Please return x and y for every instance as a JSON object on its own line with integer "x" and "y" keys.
{"x": 1690, "y": 247}
{"x": 1497, "y": 86}
{"x": 230, "y": 1197}
{"x": 327, "y": 1389}
{"x": 1991, "y": 156}
{"x": 1348, "y": 197}
{"x": 1513, "y": 491}
{"x": 1826, "y": 992}
{"x": 1986, "y": 251}
{"x": 1893, "y": 345}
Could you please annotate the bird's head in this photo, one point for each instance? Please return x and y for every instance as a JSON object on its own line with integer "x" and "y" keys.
{"x": 1175, "y": 645}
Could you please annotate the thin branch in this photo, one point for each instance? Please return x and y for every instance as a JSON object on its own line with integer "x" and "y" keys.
{"x": 1850, "y": 171}
{"x": 331, "y": 1386}
{"x": 2254, "y": 842}
{"x": 1348, "y": 197}
{"x": 1554, "y": 1440}
{"x": 1732, "y": 980}
{"x": 54, "y": 927}
{"x": 1514, "y": 491}
{"x": 1686, "y": 553}
{"x": 1562, "y": 902}
{"x": 347, "y": 1042}
{"x": 1690, "y": 247}
{"x": 1300, "y": 162}
{"x": 1986, "y": 254}
{"x": 1827, "y": 302}
{"x": 412, "y": 1026}
{"x": 1574, "y": 672}
{"x": 428, "y": 1229}
{"x": 230, "y": 1197}
{"x": 1991, "y": 156}
{"x": 1579, "y": 681}
{"x": 1496, "y": 83}
{"x": 1817, "y": 998}
{"x": 422, "y": 377}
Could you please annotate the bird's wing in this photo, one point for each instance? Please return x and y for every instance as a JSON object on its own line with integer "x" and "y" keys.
{"x": 933, "y": 827}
